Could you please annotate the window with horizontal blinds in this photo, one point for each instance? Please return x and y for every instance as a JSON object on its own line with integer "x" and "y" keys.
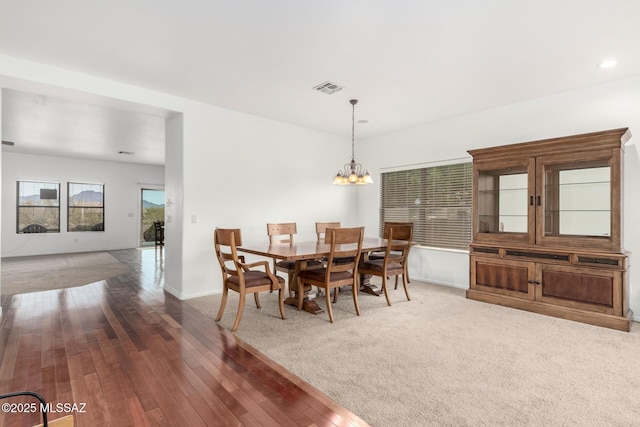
{"x": 437, "y": 200}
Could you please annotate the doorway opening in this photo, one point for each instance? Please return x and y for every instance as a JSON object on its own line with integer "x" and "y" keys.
{"x": 152, "y": 208}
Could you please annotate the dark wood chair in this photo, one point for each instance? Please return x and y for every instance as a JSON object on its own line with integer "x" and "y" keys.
{"x": 345, "y": 243}
{"x": 239, "y": 276}
{"x": 282, "y": 233}
{"x": 158, "y": 230}
{"x": 394, "y": 261}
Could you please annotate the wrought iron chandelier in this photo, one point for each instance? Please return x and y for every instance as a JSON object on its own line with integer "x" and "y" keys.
{"x": 353, "y": 173}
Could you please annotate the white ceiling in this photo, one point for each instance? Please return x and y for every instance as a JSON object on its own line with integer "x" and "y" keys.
{"x": 408, "y": 62}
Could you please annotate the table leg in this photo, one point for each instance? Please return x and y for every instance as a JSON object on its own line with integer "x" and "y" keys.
{"x": 308, "y": 304}
{"x": 367, "y": 287}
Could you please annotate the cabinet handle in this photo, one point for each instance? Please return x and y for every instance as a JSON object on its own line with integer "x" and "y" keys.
{"x": 539, "y": 201}
{"x": 530, "y": 200}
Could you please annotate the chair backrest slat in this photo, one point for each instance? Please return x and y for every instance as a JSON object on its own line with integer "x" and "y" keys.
{"x": 321, "y": 229}
{"x": 399, "y": 237}
{"x": 404, "y": 230}
{"x": 277, "y": 231}
{"x": 350, "y": 246}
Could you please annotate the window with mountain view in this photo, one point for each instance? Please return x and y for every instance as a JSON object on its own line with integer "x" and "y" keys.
{"x": 152, "y": 211}
{"x": 38, "y": 207}
{"x": 86, "y": 207}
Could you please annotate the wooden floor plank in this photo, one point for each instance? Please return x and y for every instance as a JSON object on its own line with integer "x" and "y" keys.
{"x": 133, "y": 355}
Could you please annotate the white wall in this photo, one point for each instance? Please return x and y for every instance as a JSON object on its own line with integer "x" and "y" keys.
{"x": 225, "y": 169}
{"x": 122, "y": 202}
{"x": 244, "y": 171}
{"x": 601, "y": 107}
{"x": 1, "y": 185}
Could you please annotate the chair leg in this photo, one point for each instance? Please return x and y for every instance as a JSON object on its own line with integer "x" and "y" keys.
{"x": 328, "y": 299}
{"x": 239, "y": 315}
{"x": 396, "y": 286}
{"x": 223, "y": 303}
{"x": 405, "y": 279}
{"x": 384, "y": 288}
{"x": 336, "y": 291}
{"x": 300, "y": 293}
{"x": 257, "y": 298}
{"x": 281, "y": 302}
{"x": 354, "y": 290}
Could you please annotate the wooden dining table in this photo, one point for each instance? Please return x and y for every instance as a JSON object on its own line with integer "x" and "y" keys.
{"x": 303, "y": 252}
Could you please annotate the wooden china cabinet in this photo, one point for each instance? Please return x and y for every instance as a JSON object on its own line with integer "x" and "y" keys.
{"x": 547, "y": 228}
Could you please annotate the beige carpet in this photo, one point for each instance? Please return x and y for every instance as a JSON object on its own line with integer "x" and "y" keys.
{"x": 44, "y": 272}
{"x": 441, "y": 359}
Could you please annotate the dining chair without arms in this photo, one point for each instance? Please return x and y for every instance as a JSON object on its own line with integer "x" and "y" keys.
{"x": 283, "y": 233}
{"x": 345, "y": 243}
{"x": 402, "y": 233}
{"x": 241, "y": 277}
{"x": 321, "y": 229}
{"x": 394, "y": 262}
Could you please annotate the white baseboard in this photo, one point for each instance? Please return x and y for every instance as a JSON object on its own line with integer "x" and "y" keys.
{"x": 183, "y": 297}
{"x": 437, "y": 282}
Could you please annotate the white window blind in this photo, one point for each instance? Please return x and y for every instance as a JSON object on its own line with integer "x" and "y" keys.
{"x": 437, "y": 200}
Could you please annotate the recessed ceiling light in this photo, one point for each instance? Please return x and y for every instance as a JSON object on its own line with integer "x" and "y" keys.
{"x": 363, "y": 121}
{"x": 608, "y": 63}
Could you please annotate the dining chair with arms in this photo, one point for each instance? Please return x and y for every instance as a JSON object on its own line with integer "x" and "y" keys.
{"x": 283, "y": 233}
{"x": 394, "y": 262}
{"x": 344, "y": 243}
{"x": 241, "y": 277}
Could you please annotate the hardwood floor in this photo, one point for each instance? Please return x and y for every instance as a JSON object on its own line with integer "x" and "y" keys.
{"x": 123, "y": 353}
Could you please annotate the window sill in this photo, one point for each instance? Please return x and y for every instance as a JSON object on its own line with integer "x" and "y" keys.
{"x": 434, "y": 248}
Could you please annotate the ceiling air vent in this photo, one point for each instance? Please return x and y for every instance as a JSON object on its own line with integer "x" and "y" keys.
{"x": 328, "y": 88}
{"x": 9, "y": 143}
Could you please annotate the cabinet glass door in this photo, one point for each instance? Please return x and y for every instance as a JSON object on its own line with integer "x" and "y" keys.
{"x": 503, "y": 206}
{"x": 577, "y": 200}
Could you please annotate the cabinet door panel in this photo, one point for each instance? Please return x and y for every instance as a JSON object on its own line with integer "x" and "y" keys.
{"x": 509, "y": 278}
{"x": 580, "y": 288}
